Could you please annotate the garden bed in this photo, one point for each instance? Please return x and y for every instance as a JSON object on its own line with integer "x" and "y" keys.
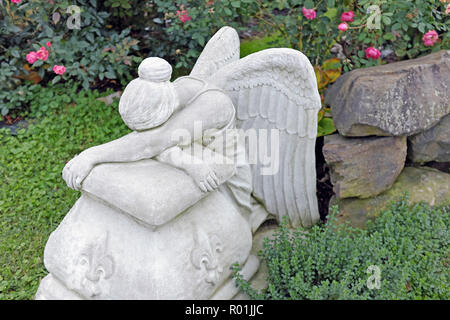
{"x": 50, "y": 79}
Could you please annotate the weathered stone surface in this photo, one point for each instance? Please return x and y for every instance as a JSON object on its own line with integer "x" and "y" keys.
{"x": 147, "y": 199}
{"x": 423, "y": 184}
{"x": 109, "y": 99}
{"x": 431, "y": 145}
{"x": 363, "y": 167}
{"x": 98, "y": 252}
{"x": 397, "y": 99}
{"x": 259, "y": 280}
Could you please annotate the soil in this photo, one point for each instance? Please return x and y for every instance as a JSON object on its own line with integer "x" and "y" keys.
{"x": 324, "y": 187}
{"x": 441, "y": 166}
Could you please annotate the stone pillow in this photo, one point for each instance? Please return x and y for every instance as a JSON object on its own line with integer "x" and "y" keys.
{"x": 148, "y": 190}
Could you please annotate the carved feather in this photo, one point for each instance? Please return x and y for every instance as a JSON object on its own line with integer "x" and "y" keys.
{"x": 277, "y": 89}
{"x": 220, "y": 50}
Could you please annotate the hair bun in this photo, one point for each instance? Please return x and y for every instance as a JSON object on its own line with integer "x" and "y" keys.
{"x": 155, "y": 69}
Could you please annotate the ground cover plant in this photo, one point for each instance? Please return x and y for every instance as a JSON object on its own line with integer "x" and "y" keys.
{"x": 404, "y": 254}
{"x": 33, "y": 196}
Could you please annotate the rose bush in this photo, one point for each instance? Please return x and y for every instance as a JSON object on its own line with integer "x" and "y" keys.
{"x": 37, "y": 35}
{"x": 103, "y": 52}
{"x": 398, "y": 30}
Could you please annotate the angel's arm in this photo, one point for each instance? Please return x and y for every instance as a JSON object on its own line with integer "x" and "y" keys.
{"x": 207, "y": 168}
{"x": 211, "y": 111}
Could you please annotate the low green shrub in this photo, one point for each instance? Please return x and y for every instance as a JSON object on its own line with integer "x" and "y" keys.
{"x": 406, "y": 249}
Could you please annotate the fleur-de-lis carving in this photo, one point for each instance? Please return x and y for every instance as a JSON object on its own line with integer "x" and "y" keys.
{"x": 99, "y": 265}
{"x": 205, "y": 255}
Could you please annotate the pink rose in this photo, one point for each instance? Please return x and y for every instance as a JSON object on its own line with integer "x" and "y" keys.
{"x": 32, "y": 57}
{"x": 343, "y": 26}
{"x": 309, "y": 14}
{"x": 447, "y": 11}
{"x": 42, "y": 54}
{"x": 372, "y": 53}
{"x": 49, "y": 44}
{"x": 16, "y": 1}
{"x": 348, "y": 16}
{"x": 183, "y": 16}
{"x": 59, "y": 69}
{"x": 430, "y": 38}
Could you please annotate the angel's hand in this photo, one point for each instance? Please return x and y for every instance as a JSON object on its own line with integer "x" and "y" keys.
{"x": 76, "y": 170}
{"x": 204, "y": 177}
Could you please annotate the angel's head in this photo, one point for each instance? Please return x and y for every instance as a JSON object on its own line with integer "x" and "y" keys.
{"x": 149, "y": 100}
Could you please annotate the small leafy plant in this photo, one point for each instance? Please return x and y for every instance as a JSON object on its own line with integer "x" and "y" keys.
{"x": 404, "y": 254}
{"x": 326, "y": 74}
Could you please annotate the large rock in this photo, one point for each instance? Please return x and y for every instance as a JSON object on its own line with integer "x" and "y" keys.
{"x": 397, "y": 99}
{"x": 422, "y": 184}
{"x": 431, "y": 145}
{"x": 363, "y": 167}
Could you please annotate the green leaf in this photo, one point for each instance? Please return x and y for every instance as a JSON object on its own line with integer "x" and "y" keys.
{"x": 90, "y": 37}
{"x": 38, "y": 63}
{"x": 331, "y": 13}
{"x": 236, "y": 4}
{"x": 110, "y": 74}
{"x": 309, "y": 4}
{"x": 326, "y": 127}
{"x": 388, "y": 36}
{"x": 331, "y": 3}
{"x": 4, "y": 111}
{"x": 396, "y": 26}
{"x": 56, "y": 79}
{"x": 201, "y": 40}
{"x": 421, "y": 27}
{"x": 15, "y": 53}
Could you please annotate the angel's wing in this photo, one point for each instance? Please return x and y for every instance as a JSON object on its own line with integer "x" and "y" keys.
{"x": 277, "y": 89}
{"x": 220, "y": 50}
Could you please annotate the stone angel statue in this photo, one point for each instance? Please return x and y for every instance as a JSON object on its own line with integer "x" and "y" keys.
{"x": 167, "y": 209}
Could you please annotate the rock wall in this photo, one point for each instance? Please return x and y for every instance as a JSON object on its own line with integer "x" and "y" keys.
{"x": 389, "y": 117}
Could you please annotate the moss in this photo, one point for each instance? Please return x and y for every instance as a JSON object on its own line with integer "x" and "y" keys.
{"x": 422, "y": 184}
{"x": 261, "y": 43}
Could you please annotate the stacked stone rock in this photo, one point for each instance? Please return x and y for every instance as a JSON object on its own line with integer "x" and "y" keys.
{"x": 385, "y": 115}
